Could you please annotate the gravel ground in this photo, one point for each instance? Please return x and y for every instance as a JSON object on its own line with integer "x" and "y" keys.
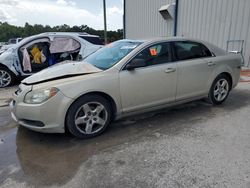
{"x": 192, "y": 145}
{"x": 6, "y": 95}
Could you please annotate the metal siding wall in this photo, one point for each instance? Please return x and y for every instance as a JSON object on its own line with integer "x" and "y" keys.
{"x": 216, "y": 21}
{"x": 143, "y": 19}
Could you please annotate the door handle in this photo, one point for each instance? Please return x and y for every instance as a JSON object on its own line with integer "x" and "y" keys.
{"x": 169, "y": 70}
{"x": 210, "y": 63}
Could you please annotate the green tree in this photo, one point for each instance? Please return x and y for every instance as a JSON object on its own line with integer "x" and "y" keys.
{"x": 8, "y": 31}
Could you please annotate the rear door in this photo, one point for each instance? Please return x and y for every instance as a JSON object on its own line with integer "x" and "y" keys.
{"x": 194, "y": 68}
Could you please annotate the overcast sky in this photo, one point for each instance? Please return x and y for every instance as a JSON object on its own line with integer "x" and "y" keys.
{"x": 57, "y": 12}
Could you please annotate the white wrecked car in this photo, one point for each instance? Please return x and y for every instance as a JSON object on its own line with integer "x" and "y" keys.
{"x": 37, "y": 52}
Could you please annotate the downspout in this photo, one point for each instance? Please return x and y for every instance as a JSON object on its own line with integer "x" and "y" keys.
{"x": 124, "y": 20}
{"x": 175, "y": 16}
{"x": 105, "y": 22}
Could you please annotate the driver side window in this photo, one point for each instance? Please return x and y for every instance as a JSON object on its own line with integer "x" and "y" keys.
{"x": 156, "y": 54}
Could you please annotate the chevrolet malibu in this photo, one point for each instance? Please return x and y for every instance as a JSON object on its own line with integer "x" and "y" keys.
{"x": 124, "y": 78}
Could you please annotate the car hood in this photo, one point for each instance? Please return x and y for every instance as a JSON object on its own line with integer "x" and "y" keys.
{"x": 6, "y": 47}
{"x": 62, "y": 70}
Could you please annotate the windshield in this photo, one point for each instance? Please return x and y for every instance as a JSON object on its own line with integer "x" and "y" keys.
{"x": 111, "y": 54}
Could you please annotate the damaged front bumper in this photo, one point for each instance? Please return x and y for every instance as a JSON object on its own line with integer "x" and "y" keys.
{"x": 48, "y": 117}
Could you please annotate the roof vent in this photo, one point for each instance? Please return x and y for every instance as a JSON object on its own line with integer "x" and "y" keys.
{"x": 167, "y": 11}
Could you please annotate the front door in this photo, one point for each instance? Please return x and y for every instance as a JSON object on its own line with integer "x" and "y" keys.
{"x": 151, "y": 85}
{"x": 28, "y": 63}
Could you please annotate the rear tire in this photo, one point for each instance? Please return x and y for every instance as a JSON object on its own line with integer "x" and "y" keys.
{"x": 220, "y": 89}
{"x": 88, "y": 116}
{"x": 7, "y": 78}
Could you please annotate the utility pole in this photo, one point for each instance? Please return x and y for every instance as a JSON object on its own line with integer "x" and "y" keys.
{"x": 105, "y": 22}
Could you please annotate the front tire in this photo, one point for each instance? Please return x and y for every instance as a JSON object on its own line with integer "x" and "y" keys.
{"x": 7, "y": 78}
{"x": 88, "y": 116}
{"x": 220, "y": 89}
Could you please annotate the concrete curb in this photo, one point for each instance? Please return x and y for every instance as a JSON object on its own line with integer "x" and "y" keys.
{"x": 245, "y": 75}
{"x": 245, "y": 69}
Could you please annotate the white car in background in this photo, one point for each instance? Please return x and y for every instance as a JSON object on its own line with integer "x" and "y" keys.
{"x": 9, "y": 44}
{"x": 34, "y": 53}
{"x": 124, "y": 78}
{"x": 1, "y": 45}
{"x": 14, "y": 40}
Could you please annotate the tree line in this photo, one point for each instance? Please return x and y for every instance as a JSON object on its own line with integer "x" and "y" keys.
{"x": 8, "y": 31}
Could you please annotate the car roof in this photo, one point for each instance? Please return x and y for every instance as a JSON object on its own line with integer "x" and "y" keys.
{"x": 67, "y": 34}
{"x": 163, "y": 39}
{"x": 159, "y": 39}
{"x": 48, "y": 34}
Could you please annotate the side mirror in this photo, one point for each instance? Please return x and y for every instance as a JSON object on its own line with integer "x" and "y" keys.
{"x": 135, "y": 63}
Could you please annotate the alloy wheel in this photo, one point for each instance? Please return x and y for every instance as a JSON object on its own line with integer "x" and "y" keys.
{"x": 221, "y": 90}
{"x": 91, "y": 117}
{"x": 5, "y": 78}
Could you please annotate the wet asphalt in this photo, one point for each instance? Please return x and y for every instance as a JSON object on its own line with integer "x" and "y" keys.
{"x": 191, "y": 145}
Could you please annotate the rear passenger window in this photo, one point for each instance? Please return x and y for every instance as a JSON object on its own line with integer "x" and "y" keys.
{"x": 190, "y": 50}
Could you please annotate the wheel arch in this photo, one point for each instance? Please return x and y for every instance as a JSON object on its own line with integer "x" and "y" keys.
{"x": 108, "y": 97}
{"x": 227, "y": 74}
{"x": 102, "y": 94}
{"x": 222, "y": 70}
{"x": 3, "y": 65}
{"x": 11, "y": 69}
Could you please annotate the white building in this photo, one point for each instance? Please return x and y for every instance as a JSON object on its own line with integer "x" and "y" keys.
{"x": 225, "y": 23}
